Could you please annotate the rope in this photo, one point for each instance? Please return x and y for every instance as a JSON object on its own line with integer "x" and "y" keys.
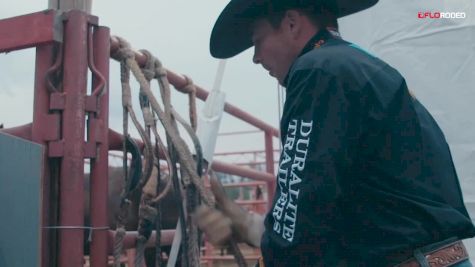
{"x": 233, "y": 246}
{"x": 118, "y": 243}
{"x": 147, "y": 212}
{"x": 127, "y": 106}
{"x": 120, "y": 231}
{"x": 191, "y": 170}
{"x": 192, "y": 203}
{"x": 178, "y": 194}
{"x": 190, "y": 242}
{"x": 149, "y": 72}
{"x": 170, "y": 165}
{"x": 191, "y": 89}
{"x": 184, "y": 155}
{"x": 147, "y": 216}
{"x": 158, "y": 219}
{"x": 148, "y": 153}
{"x": 121, "y": 219}
{"x": 166, "y": 99}
{"x": 196, "y": 143}
{"x": 192, "y": 197}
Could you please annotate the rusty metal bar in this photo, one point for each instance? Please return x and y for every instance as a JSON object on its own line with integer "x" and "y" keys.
{"x": 30, "y": 30}
{"x": 242, "y": 152}
{"x": 242, "y": 171}
{"x": 100, "y": 165}
{"x": 72, "y": 165}
{"x": 179, "y": 83}
{"x": 242, "y": 184}
{"x": 130, "y": 239}
{"x": 269, "y": 148}
{"x": 116, "y": 144}
{"x": 240, "y": 132}
{"x": 250, "y": 202}
{"x": 251, "y": 163}
{"x": 22, "y": 131}
{"x": 44, "y": 60}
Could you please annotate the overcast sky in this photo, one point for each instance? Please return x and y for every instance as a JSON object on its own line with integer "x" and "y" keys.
{"x": 436, "y": 56}
{"x": 176, "y": 32}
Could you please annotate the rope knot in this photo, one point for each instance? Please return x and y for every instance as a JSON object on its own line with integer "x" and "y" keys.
{"x": 189, "y": 86}
{"x": 160, "y": 71}
{"x": 149, "y": 69}
{"x": 148, "y": 213}
{"x": 124, "y": 51}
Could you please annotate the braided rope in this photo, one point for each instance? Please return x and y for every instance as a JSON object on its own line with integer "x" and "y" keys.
{"x": 121, "y": 219}
{"x": 123, "y": 55}
{"x": 147, "y": 212}
{"x": 120, "y": 231}
{"x": 169, "y": 113}
{"x": 118, "y": 243}
{"x": 170, "y": 165}
{"x": 191, "y": 88}
{"x": 147, "y": 216}
{"x": 190, "y": 175}
{"x": 184, "y": 154}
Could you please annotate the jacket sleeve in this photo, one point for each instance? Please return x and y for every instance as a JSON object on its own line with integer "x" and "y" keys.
{"x": 326, "y": 113}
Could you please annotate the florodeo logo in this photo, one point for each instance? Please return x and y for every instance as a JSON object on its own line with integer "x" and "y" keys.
{"x": 441, "y": 15}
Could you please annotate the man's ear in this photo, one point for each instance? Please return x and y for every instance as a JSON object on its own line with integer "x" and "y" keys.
{"x": 292, "y": 21}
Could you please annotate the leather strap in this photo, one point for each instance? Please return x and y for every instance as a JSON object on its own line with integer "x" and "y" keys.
{"x": 447, "y": 255}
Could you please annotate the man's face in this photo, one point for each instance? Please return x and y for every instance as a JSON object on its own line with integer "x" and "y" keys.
{"x": 273, "y": 48}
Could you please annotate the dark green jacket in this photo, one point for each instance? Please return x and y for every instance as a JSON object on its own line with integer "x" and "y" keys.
{"x": 366, "y": 175}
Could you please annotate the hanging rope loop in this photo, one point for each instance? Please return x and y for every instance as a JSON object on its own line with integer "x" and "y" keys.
{"x": 190, "y": 165}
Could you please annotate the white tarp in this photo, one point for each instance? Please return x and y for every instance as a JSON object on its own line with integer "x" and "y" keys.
{"x": 437, "y": 58}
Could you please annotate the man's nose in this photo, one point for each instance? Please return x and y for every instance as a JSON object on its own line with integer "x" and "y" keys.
{"x": 256, "y": 59}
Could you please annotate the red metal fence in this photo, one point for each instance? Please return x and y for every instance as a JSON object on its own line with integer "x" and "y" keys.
{"x": 68, "y": 46}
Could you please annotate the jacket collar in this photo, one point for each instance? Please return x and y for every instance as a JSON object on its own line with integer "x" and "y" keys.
{"x": 317, "y": 41}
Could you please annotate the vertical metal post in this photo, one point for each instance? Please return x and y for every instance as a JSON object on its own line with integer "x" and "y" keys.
{"x": 44, "y": 60}
{"x": 72, "y": 165}
{"x": 269, "y": 147}
{"x": 99, "y": 166}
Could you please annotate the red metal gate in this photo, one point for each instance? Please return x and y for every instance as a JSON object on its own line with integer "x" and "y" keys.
{"x": 73, "y": 126}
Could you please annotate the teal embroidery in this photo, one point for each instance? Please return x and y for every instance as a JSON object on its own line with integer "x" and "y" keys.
{"x": 361, "y": 49}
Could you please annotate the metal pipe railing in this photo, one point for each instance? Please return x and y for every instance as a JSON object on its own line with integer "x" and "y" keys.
{"x": 65, "y": 139}
{"x": 179, "y": 82}
{"x": 100, "y": 165}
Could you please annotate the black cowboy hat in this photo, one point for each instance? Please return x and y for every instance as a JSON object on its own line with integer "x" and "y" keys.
{"x": 231, "y": 33}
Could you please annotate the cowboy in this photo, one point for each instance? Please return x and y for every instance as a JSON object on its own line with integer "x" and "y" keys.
{"x": 365, "y": 176}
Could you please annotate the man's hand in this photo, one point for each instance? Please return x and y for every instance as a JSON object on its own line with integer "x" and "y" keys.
{"x": 229, "y": 220}
{"x": 214, "y": 224}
